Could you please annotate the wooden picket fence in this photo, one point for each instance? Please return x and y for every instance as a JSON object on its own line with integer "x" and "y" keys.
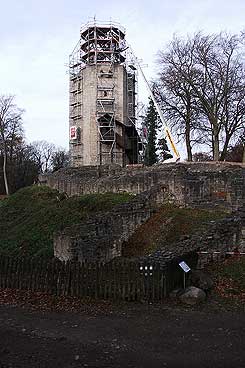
{"x": 131, "y": 281}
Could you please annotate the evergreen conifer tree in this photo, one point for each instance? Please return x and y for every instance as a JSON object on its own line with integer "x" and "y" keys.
{"x": 154, "y": 152}
{"x": 151, "y": 125}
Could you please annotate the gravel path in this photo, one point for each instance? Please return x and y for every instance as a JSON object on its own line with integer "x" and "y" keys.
{"x": 140, "y": 337}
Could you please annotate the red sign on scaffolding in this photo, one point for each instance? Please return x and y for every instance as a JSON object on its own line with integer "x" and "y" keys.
{"x": 73, "y": 132}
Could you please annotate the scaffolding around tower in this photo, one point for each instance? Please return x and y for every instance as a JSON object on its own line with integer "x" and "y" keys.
{"x": 103, "y": 98}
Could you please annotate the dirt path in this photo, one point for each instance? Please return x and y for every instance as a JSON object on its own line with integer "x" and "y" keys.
{"x": 144, "y": 337}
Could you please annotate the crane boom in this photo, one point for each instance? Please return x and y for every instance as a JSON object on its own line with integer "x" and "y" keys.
{"x": 167, "y": 131}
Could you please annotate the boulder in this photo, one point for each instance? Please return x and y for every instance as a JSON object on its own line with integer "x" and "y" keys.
{"x": 201, "y": 280}
{"x": 175, "y": 294}
{"x": 192, "y": 296}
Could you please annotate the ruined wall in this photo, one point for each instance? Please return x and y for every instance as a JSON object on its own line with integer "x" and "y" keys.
{"x": 220, "y": 236}
{"x": 100, "y": 238}
{"x": 241, "y": 214}
{"x": 198, "y": 184}
{"x": 195, "y": 184}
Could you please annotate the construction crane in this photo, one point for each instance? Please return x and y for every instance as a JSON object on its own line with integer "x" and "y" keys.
{"x": 166, "y": 128}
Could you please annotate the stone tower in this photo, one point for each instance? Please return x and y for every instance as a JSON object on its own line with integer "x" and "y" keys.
{"x": 102, "y": 98}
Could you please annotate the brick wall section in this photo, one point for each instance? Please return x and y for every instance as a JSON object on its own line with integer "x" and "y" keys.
{"x": 100, "y": 238}
{"x": 195, "y": 184}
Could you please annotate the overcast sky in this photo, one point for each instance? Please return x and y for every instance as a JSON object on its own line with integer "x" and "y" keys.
{"x": 36, "y": 38}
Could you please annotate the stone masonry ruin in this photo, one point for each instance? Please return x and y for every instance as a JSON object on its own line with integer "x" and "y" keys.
{"x": 191, "y": 184}
{"x": 202, "y": 185}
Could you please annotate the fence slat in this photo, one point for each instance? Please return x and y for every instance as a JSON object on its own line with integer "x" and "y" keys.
{"x": 116, "y": 280}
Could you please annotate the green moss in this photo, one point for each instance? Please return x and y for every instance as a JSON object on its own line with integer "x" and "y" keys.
{"x": 31, "y": 216}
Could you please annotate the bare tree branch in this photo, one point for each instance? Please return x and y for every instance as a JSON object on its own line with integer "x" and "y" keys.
{"x": 10, "y": 130}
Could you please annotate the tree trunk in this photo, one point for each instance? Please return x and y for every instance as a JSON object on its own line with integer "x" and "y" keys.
{"x": 243, "y": 157}
{"x": 215, "y": 139}
{"x": 188, "y": 141}
{"x": 188, "y": 134}
{"x": 225, "y": 149}
{"x": 4, "y": 172}
{"x": 216, "y": 148}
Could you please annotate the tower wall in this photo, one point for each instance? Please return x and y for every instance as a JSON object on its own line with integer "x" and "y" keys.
{"x": 101, "y": 105}
{"x": 85, "y": 150}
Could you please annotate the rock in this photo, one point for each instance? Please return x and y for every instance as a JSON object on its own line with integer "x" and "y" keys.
{"x": 192, "y": 296}
{"x": 201, "y": 280}
{"x": 175, "y": 294}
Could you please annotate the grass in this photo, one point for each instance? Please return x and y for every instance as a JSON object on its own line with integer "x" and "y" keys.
{"x": 234, "y": 271}
{"x": 168, "y": 226}
{"x": 29, "y": 218}
{"x": 231, "y": 272}
{"x": 229, "y": 277}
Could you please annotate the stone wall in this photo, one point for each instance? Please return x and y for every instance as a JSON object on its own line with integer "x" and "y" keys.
{"x": 196, "y": 184}
{"x": 220, "y": 237}
{"x": 241, "y": 214}
{"x": 87, "y": 99}
{"x": 100, "y": 238}
{"x": 192, "y": 184}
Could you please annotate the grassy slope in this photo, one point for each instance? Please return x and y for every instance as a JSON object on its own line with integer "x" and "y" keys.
{"x": 235, "y": 270}
{"x": 31, "y": 216}
{"x": 167, "y": 226}
{"x": 229, "y": 278}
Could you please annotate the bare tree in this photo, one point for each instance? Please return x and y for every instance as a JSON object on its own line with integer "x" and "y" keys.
{"x": 237, "y": 152}
{"x": 219, "y": 87}
{"x": 175, "y": 94}
{"x": 232, "y": 115}
{"x": 59, "y": 159}
{"x": 10, "y": 130}
{"x": 210, "y": 68}
{"x": 43, "y": 152}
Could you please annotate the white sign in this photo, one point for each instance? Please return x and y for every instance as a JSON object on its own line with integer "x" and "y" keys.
{"x": 184, "y": 266}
